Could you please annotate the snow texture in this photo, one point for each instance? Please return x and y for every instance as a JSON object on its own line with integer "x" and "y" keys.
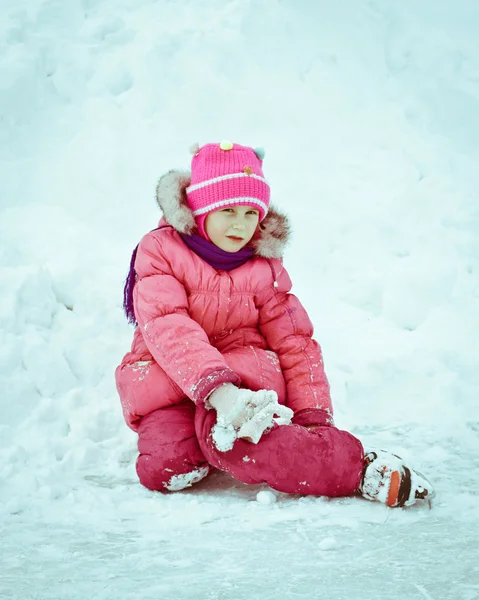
{"x": 224, "y": 436}
{"x": 180, "y": 482}
{"x": 369, "y": 115}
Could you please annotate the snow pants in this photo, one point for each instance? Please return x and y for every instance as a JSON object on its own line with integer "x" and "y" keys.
{"x": 177, "y": 450}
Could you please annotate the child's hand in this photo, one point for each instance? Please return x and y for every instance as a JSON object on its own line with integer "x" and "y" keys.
{"x": 245, "y": 414}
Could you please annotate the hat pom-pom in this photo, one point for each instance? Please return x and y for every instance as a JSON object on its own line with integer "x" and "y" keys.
{"x": 194, "y": 148}
{"x": 259, "y": 152}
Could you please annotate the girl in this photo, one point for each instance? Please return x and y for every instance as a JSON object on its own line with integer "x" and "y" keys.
{"x": 223, "y": 371}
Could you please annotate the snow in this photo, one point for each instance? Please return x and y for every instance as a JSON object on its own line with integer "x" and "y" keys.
{"x": 368, "y": 113}
{"x": 180, "y": 482}
{"x": 266, "y": 497}
{"x": 224, "y": 436}
{"x": 328, "y": 543}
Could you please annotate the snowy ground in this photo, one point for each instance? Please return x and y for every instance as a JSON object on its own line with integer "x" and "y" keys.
{"x": 369, "y": 114}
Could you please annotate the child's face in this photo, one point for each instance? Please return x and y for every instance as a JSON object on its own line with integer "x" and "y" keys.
{"x": 233, "y": 227}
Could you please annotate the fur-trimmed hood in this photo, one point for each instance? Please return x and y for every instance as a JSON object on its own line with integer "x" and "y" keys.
{"x": 274, "y": 230}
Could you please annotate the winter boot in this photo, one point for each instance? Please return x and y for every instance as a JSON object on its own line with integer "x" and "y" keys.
{"x": 388, "y": 480}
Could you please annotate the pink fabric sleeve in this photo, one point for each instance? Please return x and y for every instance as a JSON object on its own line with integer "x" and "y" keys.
{"x": 288, "y": 330}
{"x": 313, "y": 416}
{"x": 177, "y": 342}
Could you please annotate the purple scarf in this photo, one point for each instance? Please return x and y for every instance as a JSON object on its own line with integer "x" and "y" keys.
{"x": 214, "y": 256}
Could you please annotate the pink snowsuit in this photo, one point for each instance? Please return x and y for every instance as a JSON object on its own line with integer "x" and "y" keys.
{"x": 199, "y": 328}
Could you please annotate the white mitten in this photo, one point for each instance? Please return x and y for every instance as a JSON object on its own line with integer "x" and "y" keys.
{"x": 245, "y": 414}
{"x": 263, "y": 419}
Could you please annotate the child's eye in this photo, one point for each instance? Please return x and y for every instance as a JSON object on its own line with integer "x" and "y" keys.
{"x": 253, "y": 212}
{"x": 227, "y": 210}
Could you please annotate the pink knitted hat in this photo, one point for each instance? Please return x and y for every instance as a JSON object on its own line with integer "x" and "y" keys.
{"x": 223, "y": 175}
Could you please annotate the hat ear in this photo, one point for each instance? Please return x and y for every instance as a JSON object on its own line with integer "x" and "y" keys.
{"x": 171, "y": 198}
{"x": 259, "y": 152}
{"x": 194, "y": 148}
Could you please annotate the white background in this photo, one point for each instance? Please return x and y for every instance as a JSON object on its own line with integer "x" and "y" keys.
{"x": 369, "y": 114}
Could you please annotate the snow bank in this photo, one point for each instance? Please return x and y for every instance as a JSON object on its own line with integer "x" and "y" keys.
{"x": 368, "y": 112}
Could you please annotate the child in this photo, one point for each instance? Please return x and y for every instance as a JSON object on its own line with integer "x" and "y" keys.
{"x": 223, "y": 371}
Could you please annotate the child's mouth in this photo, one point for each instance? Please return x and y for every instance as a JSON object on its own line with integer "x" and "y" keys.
{"x": 233, "y": 238}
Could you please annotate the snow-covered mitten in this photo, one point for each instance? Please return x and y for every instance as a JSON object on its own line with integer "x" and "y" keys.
{"x": 245, "y": 414}
{"x": 387, "y": 479}
{"x": 263, "y": 419}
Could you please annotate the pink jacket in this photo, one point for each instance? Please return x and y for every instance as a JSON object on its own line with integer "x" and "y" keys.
{"x": 199, "y": 328}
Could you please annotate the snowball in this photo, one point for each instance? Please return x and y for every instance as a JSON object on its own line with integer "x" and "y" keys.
{"x": 327, "y": 544}
{"x": 266, "y": 497}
